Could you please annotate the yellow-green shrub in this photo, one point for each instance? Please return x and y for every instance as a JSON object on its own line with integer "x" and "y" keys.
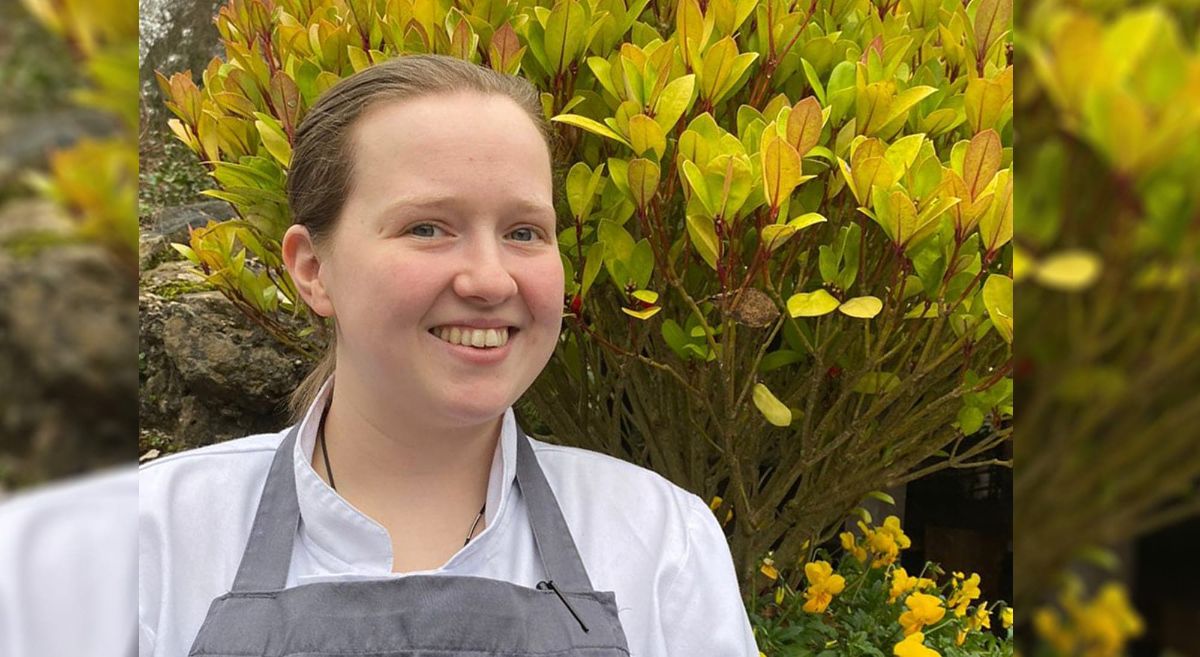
{"x": 785, "y": 226}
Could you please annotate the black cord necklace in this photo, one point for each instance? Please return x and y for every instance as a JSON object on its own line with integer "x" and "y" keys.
{"x": 329, "y": 471}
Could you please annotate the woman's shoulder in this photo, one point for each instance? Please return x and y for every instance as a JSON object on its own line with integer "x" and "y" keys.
{"x": 259, "y": 442}
{"x": 220, "y": 478}
{"x": 589, "y": 476}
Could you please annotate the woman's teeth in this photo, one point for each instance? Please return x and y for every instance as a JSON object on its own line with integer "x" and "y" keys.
{"x": 481, "y": 338}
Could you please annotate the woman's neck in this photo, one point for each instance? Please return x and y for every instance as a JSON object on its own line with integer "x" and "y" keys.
{"x": 377, "y": 460}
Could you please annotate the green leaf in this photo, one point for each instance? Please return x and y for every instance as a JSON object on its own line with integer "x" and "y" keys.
{"x": 675, "y": 338}
{"x": 998, "y": 299}
{"x": 673, "y": 101}
{"x": 774, "y": 410}
{"x": 970, "y": 420}
{"x": 903, "y": 152}
{"x": 882, "y": 497}
{"x": 274, "y": 140}
{"x": 566, "y": 28}
{"x": 704, "y": 238}
{"x": 996, "y": 225}
{"x": 591, "y": 266}
{"x": 778, "y": 359}
{"x": 811, "y": 304}
{"x": 695, "y": 179}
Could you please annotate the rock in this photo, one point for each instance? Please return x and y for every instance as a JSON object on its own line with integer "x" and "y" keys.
{"x": 26, "y": 141}
{"x": 174, "y": 35}
{"x": 68, "y": 344}
{"x": 172, "y": 224}
{"x": 24, "y": 216}
{"x": 208, "y": 372}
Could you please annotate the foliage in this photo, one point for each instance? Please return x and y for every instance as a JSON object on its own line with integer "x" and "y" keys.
{"x": 96, "y": 180}
{"x": 811, "y": 203}
{"x": 168, "y": 176}
{"x": 1098, "y": 626}
{"x": 869, "y": 605}
{"x": 1106, "y": 265}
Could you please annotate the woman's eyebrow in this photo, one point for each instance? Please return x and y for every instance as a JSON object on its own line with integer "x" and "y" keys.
{"x": 515, "y": 204}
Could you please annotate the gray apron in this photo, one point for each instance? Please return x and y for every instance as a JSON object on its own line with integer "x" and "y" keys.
{"x": 413, "y": 616}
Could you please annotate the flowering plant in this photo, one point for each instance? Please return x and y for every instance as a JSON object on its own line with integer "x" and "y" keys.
{"x": 867, "y": 604}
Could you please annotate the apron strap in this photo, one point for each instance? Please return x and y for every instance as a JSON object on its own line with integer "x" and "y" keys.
{"x": 555, "y": 546}
{"x": 268, "y": 554}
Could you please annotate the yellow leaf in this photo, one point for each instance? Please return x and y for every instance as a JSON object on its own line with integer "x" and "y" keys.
{"x": 645, "y": 134}
{"x": 811, "y": 304}
{"x": 862, "y": 307}
{"x": 774, "y": 410}
{"x": 591, "y": 125}
{"x": 804, "y": 125}
{"x": 780, "y": 171}
{"x": 1069, "y": 270}
{"x": 643, "y": 176}
{"x": 642, "y": 314}
{"x": 648, "y": 296}
{"x": 981, "y": 162}
{"x": 775, "y": 235}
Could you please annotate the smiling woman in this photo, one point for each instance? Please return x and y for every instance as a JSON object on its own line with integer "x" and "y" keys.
{"x": 424, "y": 227}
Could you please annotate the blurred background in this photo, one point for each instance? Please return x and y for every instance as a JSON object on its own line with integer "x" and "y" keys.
{"x": 68, "y": 276}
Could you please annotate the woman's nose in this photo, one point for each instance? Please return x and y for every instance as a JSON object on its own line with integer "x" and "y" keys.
{"x": 484, "y": 275}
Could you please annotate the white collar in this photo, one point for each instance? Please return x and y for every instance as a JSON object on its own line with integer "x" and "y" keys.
{"x": 337, "y": 528}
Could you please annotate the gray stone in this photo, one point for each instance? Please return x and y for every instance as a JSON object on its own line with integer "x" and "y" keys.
{"x": 208, "y": 372}
{"x": 174, "y": 36}
{"x": 172, "y": 223}
{"x": 68, "y": 349}
{"x": 27, "y": 141}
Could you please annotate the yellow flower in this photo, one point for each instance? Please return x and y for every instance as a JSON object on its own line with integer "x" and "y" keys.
{"x": 923, "y": 609}
{"x": 902, "y": 583}
{"x": 1049, "y": 625}
{"x": 1006, "y": 617}
{"x": 981, "y": 619}
{"x": 885, "y": 541}
{"x": 964, "y": 592}
{"x": 850, "y": 544}
{"x": 1108, "y": 621}
{"x": 822, "y": 586}
{"x": 768, "y": 568}
{"x": 913, "y": 645}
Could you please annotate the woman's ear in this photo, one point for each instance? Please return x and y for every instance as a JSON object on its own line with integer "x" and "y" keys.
{"x": 304, "y": 264}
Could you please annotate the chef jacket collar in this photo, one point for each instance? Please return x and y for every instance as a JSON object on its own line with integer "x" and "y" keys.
{"x": 360, "y": 543}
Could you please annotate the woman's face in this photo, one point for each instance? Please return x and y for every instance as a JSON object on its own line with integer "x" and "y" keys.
{"x": 449, "y": 220}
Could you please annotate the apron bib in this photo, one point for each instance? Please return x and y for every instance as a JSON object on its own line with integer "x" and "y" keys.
{"x": 414, "y": 616}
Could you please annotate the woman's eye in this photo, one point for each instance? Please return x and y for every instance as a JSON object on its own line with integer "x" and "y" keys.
{"x": 532, "y": 233}
{"x": 418, "y": 227}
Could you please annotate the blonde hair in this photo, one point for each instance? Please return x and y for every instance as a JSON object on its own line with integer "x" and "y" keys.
{"x": 322, "y": 164}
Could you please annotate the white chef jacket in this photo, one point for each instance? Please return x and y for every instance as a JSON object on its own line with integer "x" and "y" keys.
{"x": 654, "y": 544}
{"x": 68, "y": 567}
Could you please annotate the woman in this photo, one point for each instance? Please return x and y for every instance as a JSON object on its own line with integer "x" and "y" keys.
{"x": 406, "y": 512}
